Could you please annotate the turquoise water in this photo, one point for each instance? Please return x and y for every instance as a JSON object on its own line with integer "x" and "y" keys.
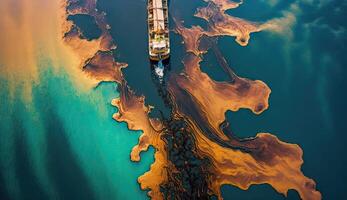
{"x": 65, "y": 144}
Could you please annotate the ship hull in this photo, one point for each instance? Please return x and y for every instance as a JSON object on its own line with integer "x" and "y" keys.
{"x": 157, "y": 58}
{"x": 158, "y": 30}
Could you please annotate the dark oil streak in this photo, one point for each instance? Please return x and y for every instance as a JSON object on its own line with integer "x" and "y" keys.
{"x": 187, "y": 106}
{"x": 188, "y": 178}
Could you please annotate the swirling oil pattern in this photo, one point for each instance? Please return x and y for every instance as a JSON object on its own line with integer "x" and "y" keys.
{"x": 193, "y": 131}
{"x": 81, "y": 103}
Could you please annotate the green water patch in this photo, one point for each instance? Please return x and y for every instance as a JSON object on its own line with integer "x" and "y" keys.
{"x": 65, "y": 144}
{"x": 9, "y": 182}
{"x": 28, "y": 183}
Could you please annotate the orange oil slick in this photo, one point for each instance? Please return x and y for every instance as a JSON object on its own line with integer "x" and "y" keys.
{"x": 263, "y": 159}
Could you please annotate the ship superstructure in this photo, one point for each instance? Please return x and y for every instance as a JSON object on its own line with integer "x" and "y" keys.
{"x": 158, "y": 30}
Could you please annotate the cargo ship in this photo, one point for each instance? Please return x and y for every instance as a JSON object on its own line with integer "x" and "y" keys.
{"x": 158, "y": 30}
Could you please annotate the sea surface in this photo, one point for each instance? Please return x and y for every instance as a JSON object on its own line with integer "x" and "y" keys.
{"x": 64, "y": 144}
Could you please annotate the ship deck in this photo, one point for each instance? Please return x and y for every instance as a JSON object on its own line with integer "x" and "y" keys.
{"x": 158, "y": 15}
{"x": 158, "y": 31}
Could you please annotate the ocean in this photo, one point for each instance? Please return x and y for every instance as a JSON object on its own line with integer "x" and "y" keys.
{"x": 64, "y": 144}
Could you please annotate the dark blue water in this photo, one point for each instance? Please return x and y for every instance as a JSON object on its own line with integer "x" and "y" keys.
{"x": 87, "y": 25}
{"x": 128, "y": 20}
{"x": 307, "y": 76}
{"x": 304, "y": 69}
{"x": 64, "y": 144}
